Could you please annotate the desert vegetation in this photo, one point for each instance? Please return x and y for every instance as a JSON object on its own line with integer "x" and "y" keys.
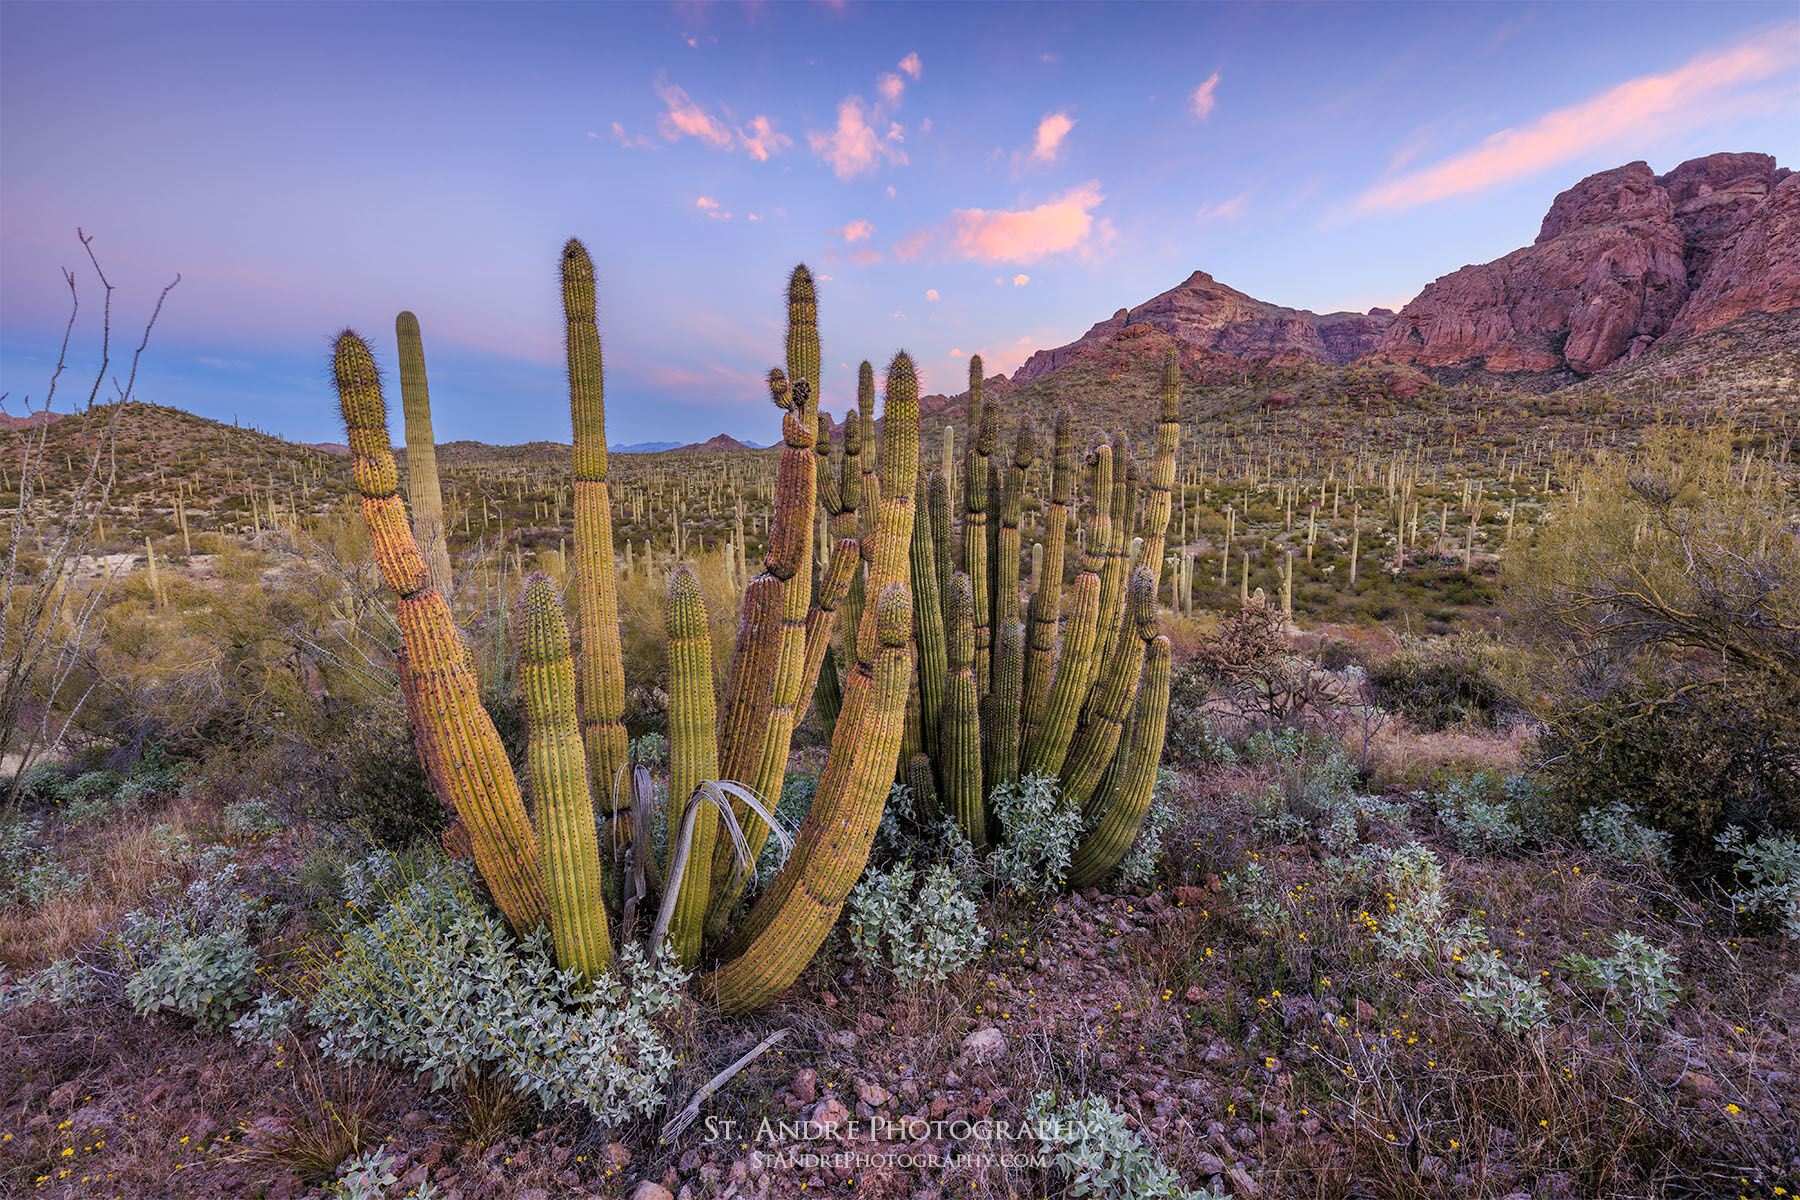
{"x": 1294, "y": 780}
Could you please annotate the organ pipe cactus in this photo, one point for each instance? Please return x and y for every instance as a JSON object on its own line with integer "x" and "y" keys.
{"x": 463, "y": 752}
{"x": 975, "y": 517}
{"x": 422, "y": 488}
{"x": 693, "y": 751}
{"x": 567, "y": 841}
{"x": 1123, "y": 809}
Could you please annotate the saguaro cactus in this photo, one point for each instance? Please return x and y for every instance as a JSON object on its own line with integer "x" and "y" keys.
{"x": 693, "y": 752}
{"x": 421, "y": 450}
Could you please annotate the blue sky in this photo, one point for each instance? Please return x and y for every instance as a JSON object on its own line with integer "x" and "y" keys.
{"x": 963, "y": 178}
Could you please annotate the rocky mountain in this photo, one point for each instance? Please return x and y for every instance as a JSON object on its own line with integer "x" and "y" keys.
{"x": 719, "y": 441}
{"x": 1624, "y": 258}
{"x": 1201, "y": 311}
{"x": 30, "y": 420}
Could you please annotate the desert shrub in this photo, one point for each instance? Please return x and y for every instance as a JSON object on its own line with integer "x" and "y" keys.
{"x": 187, "y": 951}
{"x": 30, "y": 871}
{"x": 1312, "y": 790}
{"x": 1472, "y": 814}
{"x": 65, "y": 981}
{"x": 1140, "y": 864}
{"x": 1445, "y": 683}
{"x": 430, "y": 978}
{"x": 368, "y": 1176}
{"x": 203, "y": 977}
{"x": 1637, "y": 977}
{"x": 1613, "y": 832}
{"x": 1040, "y": 833}
{"x": 1246, "y": 640}
{"x": 919, "y": 927}
{"x": 90, "y": 785}
{"x": 1689, "y": 761}
{"x": 39, "y": 783}
{"x": 1191, "y": 736}
{"x": 1088, "y": 1142}
{"x": 253, "y": 819}
{"x": 1773, "y": 866}
{"x": 377, "y": 784}
{"x": 1513, "y": 1003}
{"x": 270, "y": 1019}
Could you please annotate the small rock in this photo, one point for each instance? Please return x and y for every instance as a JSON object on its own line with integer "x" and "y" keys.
{"x": 616, "y": 1156}
{"x": 414, "y": 1121}
{"x": 806, "y": 1085}
{"x": 1700, "y": 1085}
{"x": 828, "y": 1115}
{"x": 532, "y": 1194}
{"x": 690, "y": 1162}
{"x": 1364, "y": 1010}
{"x": 651, "y": 1190}
{"x": 871, "y": 1094}
{"x": 1195, "y": 994}
{"x": 986, "y": 1044}
{"x": 845, "y": 1038}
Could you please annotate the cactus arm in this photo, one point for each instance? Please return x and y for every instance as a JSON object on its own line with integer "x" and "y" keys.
{"x": 1000, "y": 708}
{"x": 975, "y": 518}
{"x": 1007, "y": 542}
{"x": 1098, "y": 738}
{"x": 472, "y": 765}
{"x": 1113, "y": 575}
{"x": 959, "y": 731}
{"x": 568, "y": 845}
{"x": 1046, "y": 606}
{"x": 693, "y": 752}
{"x": 1102, "y": 849}
{"x": 851, "y": 483}
{"x": 1075, "y": 668}
{"x": 422, "y": 488}
{"x": 928, "y": 620}
{"x": 784, "y": 929}
{"x": 596, "y": 574}
{"x": 1160, "y": 504}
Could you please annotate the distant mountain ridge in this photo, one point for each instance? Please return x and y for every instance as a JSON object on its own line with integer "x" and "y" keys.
{"x": 1623, "y": 259}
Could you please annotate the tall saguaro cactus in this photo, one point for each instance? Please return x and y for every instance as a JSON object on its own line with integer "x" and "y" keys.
{"x": 421, "y": 450}
{"x": 596, "y": 579}
{"x": 464, "y": 755}
{"x": 693, "y": 753}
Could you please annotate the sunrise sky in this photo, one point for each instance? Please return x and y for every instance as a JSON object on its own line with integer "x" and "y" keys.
{"x": 962, "y": 178}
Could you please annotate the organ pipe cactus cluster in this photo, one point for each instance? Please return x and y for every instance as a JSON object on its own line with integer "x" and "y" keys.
{"x": 950, "y": 678}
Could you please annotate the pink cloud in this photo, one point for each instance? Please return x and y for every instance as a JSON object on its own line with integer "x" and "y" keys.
{"x": 1648, "y": 106}
{"x": 865, "y": 257}
{"x": 706, "y": 202}
{"x": 1224, "y": 210}
{"x": 1201, "y": 99}
{"x": 931, "y": 294}
{"x": 1062, "y": 224}
{"x": 764, "y": 140}
{"x": 687, "y": 119}
{"x": 1021, "y": 280}
{"x": 758, "y": 137}
{"x": 855, "y": 231}
{"x": 1050, "y": 134}
{"x": 891, "y": 87}
{"x": 911, "y": 65}
{"x": 630, "y": 141}
{"x": 853, "y": 148}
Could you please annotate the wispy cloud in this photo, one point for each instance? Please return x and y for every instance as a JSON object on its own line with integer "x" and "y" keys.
{"x": 1201, "y": 101}
{"x": 1225, "y": 210}
{"x": 710, "y": 207}
{"x": 1021, "y": 280}
{"x": 1063, "y": 224}
{"x": 629, "y": 141}
{"x": 1703, "y": 89}
{"x": 931, "y": 294}
{"x": 686, "y": 118}
{"x": 912, "y": 66}
{"x": 1052, "y": 130}
{"x": 855, "y": 231}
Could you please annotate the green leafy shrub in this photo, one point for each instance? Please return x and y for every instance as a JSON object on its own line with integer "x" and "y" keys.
{"x": 1445, "y": 683}
{"x": 1470, "y": 812}
{"x": 1088, "y": 1143}
{"x": 368, "y": 1176}
{"x": 430, "y": 978}
{"x": 1139, "y": 866}
{"x": 1040, "y": 835}
{"x": 918, "y": 927}
{"x": 39, "y": 783}
{"x": 375, "y": 782}
{"x": 1513, "y": 1003}
{"x": 65, "y": 981}
{"x": 1773, "y": 866}
{"x": 204, "y": 977}
{"x": 1191, "y": 737}
{"x": 1689, "y": 762}
{"x": 30, "y": 872}
{"x": 1637, "y": 977}
{"x": 1613, "y": 832}
{"x": 252, "y": 819}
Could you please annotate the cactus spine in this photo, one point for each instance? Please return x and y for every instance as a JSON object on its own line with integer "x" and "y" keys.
{"x": 422, "y": 488}
{"x": 596, "y": 579}
{"x": 567, "y": 840}
{"x": 465, "y": 757}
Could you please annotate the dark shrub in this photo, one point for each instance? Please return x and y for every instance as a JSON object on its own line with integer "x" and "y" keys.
{"x": 1437, "y": 685}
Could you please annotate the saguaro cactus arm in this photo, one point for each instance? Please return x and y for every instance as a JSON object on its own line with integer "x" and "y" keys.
{"x": 422, "y": 487}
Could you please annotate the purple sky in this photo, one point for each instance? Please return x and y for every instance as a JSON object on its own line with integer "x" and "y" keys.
{"x": 962, "y": 178}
